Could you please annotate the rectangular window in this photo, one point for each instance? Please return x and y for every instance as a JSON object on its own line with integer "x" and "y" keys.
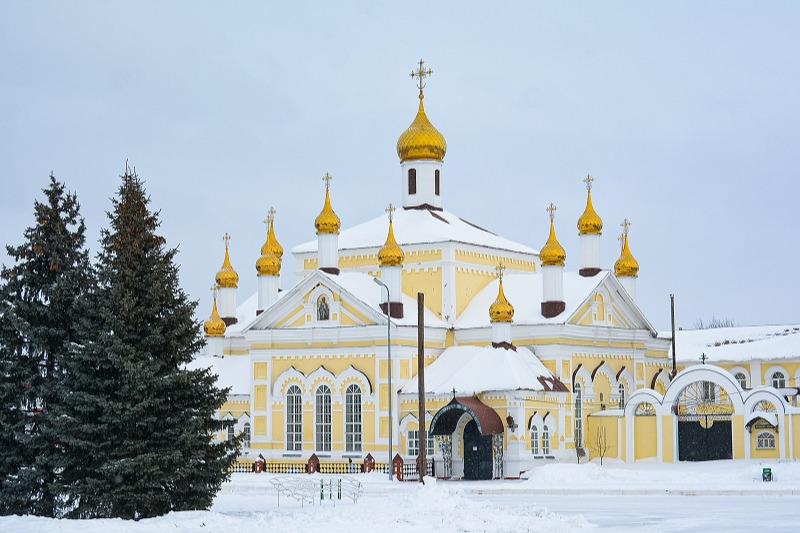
{"x": 412, "y": 181}
{"x": 436, "y": 182}
{"x": 294, "y": 420}
{"x": 413, "y": 443}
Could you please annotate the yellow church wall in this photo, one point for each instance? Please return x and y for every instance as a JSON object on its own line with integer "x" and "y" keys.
{"x": 595, "y": 426}
{"x": 492, "y": 260}
{"x": 279, "y": 426}
{"x": 308, "y": 427}
{"x": 623, "y": 440}
{"x": 795, "y": 433}
{"x": 289, "y": 316}
{"x": 335, "y": 365}
{"x": 260, "y": 371}
{"x": 468, "y": 284}
{"x": 427, "y": 280}
{"x": 645, "y": 437}
{"x": 755, "y": 453}
{"x": 260, "y": 425}
{"x": 260, "y": 398}
{"x": 235, "y": 408}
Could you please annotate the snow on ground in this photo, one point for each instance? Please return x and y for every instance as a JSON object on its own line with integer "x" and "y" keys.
{"x": 250, "y": 503}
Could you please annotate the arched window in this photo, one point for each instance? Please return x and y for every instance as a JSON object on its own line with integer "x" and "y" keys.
{"x": 323, "y": 311}
{"x": 621, "y": 396}
{"x": 323, "y": 418}
{"x": 545, "y": 440}
{"x": 246, "y": 434}
{"x": 741, "y": 378}
{"x": 708, "y": 391}
{"x": 778, "y": 380}
{"x": 766, "y": 441}
{"x": 352, "y": 418}
{"x": 230, "y": 433}
{"x": 645, "y": 409}
{"x": 412, "y": 181}
{"x": 535, "y": 440}
{"x": 294, "y": 419}
{"x": 577, "y": 393}
{"x": 436, "y": 182}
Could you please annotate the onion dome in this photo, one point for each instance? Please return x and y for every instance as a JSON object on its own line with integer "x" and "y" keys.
{"x": 626, "y": 266}
{"x": 552, "y": 253}
{"x": 214, "y": 326}
{"x": 501, "y": 310}
{"x": 269, "y": 264}
{"x": 421, "y": 140}
{"x": 327, "y": 222}
{"x": 589, "y": 223}
{"x": 227, "y": 278}
{"x": 391, "y": 254}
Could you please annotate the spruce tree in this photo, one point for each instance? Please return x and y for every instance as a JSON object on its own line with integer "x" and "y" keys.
{"x": 39, "y": 296}
{"x": 137, "y": 430}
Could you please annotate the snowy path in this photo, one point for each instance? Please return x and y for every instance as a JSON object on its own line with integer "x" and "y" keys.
{"x": 249, "y": 503}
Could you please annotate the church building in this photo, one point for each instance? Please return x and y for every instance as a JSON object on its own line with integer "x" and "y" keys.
{"x": 525, "y": 362}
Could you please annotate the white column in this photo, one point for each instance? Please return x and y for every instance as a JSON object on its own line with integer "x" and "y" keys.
{"x": 590, "y": 251}
{"x": 267, "y": 291}
{"x": 328, "y": 251}
{"x": 393, "y": 278}
{"x": 630, "y": 285}
{"x": 226, "y": 299}
{"x": 553, "y": 284}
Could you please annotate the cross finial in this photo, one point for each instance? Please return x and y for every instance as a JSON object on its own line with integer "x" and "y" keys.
{"x": 500, "y": 268}
{"x": 703, "y": 358}
{"x": 420, "y": 73}
{"x": 390, "y": 210}
{"x": 270, "y": 216}
{"x": 626, "y": 224}
{"x": 214, "y": 290}
{"x": 226, "y": 238}
{"x": 588, "y": 181}
{"x": 327, "y": 179}
{"x": 552, "y": 210}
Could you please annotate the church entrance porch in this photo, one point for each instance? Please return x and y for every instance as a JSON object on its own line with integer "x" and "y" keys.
{"x": 470, "y": 435}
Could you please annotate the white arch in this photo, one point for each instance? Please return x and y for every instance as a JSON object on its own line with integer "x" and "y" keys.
{"x": 318, "y": 377}
{"x": 768, "y": 394}
{"x": 289, "y": 376}
{"x": 636, "y": 399}
{"x": 551, "y": 421}
{"x": 743, "y": 370}
{"x": 535, "y": 420}
{"x": 583, "y": 377}
{"x": 353, "y": 375}
{"x": 776, "y": 368}
{"x": 607, "y": 372}
{"x": 714, "y": 374}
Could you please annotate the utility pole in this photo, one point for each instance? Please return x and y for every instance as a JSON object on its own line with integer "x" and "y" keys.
{"x": 422, "y": 461}
{"x": 672, "y": 312}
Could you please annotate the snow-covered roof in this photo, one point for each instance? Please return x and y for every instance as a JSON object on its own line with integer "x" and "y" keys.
{"x": 233, "y": 371}
{"x": 417, "y": 226}
{"x": 742, "y": 343}
{"x": 474, "y": 369}
{"x": 524, "y": 291}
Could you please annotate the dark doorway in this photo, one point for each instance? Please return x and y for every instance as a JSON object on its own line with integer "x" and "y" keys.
{"x": 477, "y": 453}
{"x": 704, "y": 440}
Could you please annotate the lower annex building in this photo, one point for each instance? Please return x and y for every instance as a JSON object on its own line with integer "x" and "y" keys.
{"x": 525, "y": 362}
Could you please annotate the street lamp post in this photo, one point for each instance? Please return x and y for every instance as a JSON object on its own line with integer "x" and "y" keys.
{"x": 389, "y": 357}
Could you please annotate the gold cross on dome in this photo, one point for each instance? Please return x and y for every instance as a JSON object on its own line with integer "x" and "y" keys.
{"x": 270, "y": 216}
{"x": 214, "y": 290}
{"x": 327, "y": 179}
{"x": 588, "y": 181}
{"x": 552, "y": 210}
{"x": 226, "y": 238}
{"x": 626, "y": 224}
{"x": 500, "y": 268}
{"x": 390, "y": 210}
{"x": 420, "y": 73}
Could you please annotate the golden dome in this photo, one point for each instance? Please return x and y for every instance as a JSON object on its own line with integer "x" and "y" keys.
{"x": 626, "y": 266}
{"x": 391, "y": 254}
{"x": 269, "y": 264}
{"x": 501, "y": 310}
{"x": 552, "y": 253}
{"x": 214, "y": 326}
{"x": 421, "y": 140}
{"x": 327, "y": 221}
{"x": 227, "y": 278}
{"x": 590, "y": 222}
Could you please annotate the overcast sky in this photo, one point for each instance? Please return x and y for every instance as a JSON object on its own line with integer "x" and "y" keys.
{"x": 685, "y": 112}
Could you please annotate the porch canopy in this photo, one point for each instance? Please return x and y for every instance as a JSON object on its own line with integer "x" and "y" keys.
{"x": 445, "y": 420}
